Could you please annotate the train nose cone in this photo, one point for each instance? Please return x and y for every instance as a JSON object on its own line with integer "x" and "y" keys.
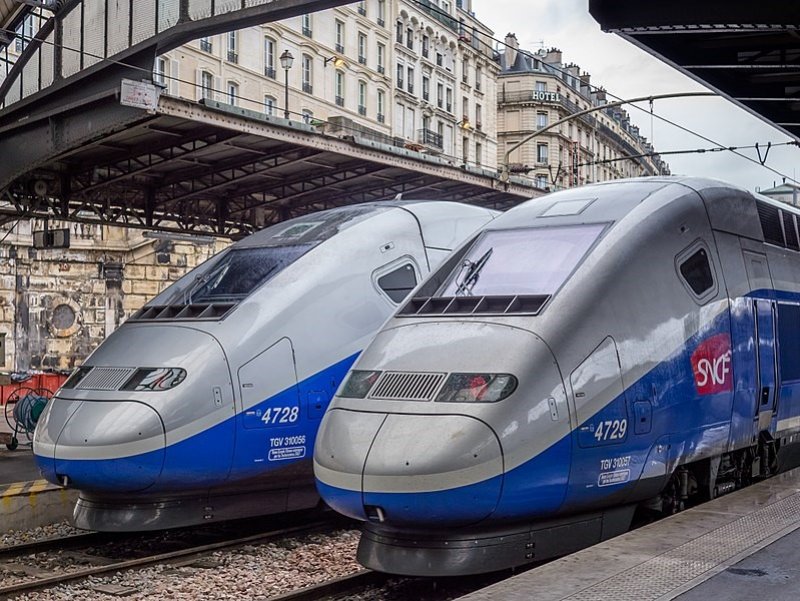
{"x": 442, "y": 470}
{"x": 110, "y": 446}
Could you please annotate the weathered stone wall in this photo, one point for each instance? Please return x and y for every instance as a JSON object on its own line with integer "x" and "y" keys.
{"x": 57, "y": 305}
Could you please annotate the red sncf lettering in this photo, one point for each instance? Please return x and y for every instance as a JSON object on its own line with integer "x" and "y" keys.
{"x": 711, "y": 365}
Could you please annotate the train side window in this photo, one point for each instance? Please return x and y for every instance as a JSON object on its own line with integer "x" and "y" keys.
{"x": 697, "y": 271}
{"x": 789, "y": 341}
{"x": 398, "y": 282}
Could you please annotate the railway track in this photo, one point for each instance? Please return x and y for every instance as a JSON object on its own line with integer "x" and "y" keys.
{"x": 101, "y": 551}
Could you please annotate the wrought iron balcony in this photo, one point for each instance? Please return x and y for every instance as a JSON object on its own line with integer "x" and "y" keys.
{"x": 233, "y": 56}
{"x": 430, "y": 138}
{"x": 340, "y": 48}
{"x": 308, "y": 88}
{"x": 340, "y": 101}
{"x": 381, "y": 118}
{"x": 362, "y": 59}
{"x": 381, "y": 69}
{"x": 270, "y": 72}
{"x": 362, "y": 110}
{"x": 206, "y": 45}
{"x": 307, "y": 31}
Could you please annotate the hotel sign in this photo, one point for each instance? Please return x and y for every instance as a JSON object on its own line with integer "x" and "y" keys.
{"x": 546, "y": 96}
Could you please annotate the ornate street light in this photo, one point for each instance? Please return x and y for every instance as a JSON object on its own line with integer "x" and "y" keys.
{"x": 286, "y": 62}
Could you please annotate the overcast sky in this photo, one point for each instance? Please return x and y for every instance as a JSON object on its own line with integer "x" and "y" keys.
{"x": 626, "y": 71}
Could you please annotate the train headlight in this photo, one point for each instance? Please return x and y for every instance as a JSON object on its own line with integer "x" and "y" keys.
{"x": 359, "y": 383}
{"x": 477, "y": 388}
{"x": 155, "y": 379}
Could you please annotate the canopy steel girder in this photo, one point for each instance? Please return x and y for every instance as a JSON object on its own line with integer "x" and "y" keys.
{"x": 211, "y": 168}
{"x": 747, "y": 52}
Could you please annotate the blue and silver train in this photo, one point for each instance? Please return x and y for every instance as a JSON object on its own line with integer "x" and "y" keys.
{"x": 625, "y": 346}
{"x": 205, "y": 404}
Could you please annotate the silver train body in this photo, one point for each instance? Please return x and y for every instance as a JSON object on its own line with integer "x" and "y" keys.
{"x": 625, "y": 346}
{"x": 205, "y": 404}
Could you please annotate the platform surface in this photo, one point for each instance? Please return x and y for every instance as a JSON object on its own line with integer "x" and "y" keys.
{"x": 740, "y": 546}
{"x": 18, "y": 465}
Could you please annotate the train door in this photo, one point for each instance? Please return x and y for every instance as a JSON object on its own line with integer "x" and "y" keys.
{"x": 766, "y": 363}
{"x": 763, "y": 335}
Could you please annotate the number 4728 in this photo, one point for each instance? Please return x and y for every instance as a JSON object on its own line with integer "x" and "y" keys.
{"x": 280, "y": 415}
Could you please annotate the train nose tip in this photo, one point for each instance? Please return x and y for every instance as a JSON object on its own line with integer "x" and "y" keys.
{"x": 442, "y": 470}
{"x": 107, "y": 446}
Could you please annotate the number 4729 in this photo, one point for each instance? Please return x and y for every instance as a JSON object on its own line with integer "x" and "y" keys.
{"x": 611, "y": 429}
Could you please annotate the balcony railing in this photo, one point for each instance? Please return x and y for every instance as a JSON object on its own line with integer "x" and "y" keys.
{"x": 362, "y": 10}
{"x": 233, "y": 56}
{"x": 381, "y": 69}
{"x": 436, "y": 12}
{"x": 440, "y": 103}
{"x": 381, "y": 118}
{"x": 269, "y": 72}
{"x": 362, "y": 59}
{"x": 410, "y": 88}
{"x": 399, "y": 37}
{"x": 362, "y": 110}
{"x": 206, "y": 46}
{"x": 381, "y": 22}
{"x": 339, "y": 48}
{"x": 308, "y": 88}
{"x": 426, "y": 96}
{"x": 400, "y": 84}
{"x": 449, "y": 108}
{"x": 478, "y": 85}
{"x": 340, "y": 101}
{"x": 430, "y": 138}
{"x": 478, "y": 125}
{"x": 307, "y": 31}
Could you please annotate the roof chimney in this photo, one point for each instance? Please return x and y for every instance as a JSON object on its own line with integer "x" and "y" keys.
{"x": 512, "y": 46}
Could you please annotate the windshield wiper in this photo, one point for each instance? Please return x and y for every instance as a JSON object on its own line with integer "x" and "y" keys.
{"x": 473, "y": 273}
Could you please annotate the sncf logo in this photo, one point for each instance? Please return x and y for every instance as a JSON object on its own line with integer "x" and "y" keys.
{"x": 711, "y": 364}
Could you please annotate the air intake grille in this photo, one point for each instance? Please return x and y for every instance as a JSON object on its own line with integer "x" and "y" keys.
{"x": 770, "y": 218}
{"x": 407, "y": 386}
{"x": 105, "y": 378}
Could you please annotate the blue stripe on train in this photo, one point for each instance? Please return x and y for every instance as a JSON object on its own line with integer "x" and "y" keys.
{"x": 222, "y": 453}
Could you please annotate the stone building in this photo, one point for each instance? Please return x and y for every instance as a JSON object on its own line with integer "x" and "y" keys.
{"x": 416, "y": 74}
{"x": 537, "y": 90}
{"x": 57, "y": 305}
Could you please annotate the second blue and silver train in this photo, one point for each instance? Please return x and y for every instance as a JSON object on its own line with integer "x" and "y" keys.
{"x": 205, "y": 404}
{"x": 627, "y": 346}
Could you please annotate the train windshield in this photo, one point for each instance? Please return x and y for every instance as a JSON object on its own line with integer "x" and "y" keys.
{"x": 232, "y": 275}
{"x": 535, "y": 261}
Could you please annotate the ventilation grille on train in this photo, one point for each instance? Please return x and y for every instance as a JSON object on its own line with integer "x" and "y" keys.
{"x": 474, "y": 305}
{"x": 105, "y": 378}
{"x": 778, "y": 226}
{"x": 407, "y": 386}
{"x": 196, "y": 311}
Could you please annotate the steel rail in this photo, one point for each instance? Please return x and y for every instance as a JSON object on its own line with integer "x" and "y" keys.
{"x": 24, "y": 587}
{"x": 335, "y": 586}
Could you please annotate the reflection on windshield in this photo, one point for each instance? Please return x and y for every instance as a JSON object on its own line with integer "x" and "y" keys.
{"x": 531, "y": 261}
{"x": 232, "y": 276}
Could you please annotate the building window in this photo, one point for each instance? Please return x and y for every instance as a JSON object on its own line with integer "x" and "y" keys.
{"x": 541, "y": 120}
{"x": 410, "y": 80}
{"x": 306, "y": 25}
{"x": 465, "y": 107}
{"x": 425, "y": 46}
{"x": 362, "y": 48}
{"x": 449, "y": 97}
{"x": 478, "y": 78}
{"x": 478, "y": 153}
{"x": 409, "y": 38}
{"x": 339, "y": 83}
{"x": 541, "y": 153}
{"x": 233, "y": 55}
{"x": 233, "y": 93}
{"x": 439, "y": 95}
{"x": 269, "y": 105}
{"x": 381, "y": 105}
{"x": 307, "y": 73}
{"x": 381, "y": 13}
{"x": 465, "y": 71}
{"x": 541, "y": 86}
{"x": 465, "y": 149}
{"x": 381, "y": 59}
{"x": 541, "y": 181}
{"x": 439, "y": 59}
{"x": 362, "y": 98}
{"x": 478, "y": 117}
{"x": 206, "y": 85}
{"x": 399, "y": 33}
{"x": 206, "y": 45}
{"x": 160, "y": 72}
{"x": 426, "y": 87}
{"x": 400, "y": 74}
{"x": 362, "y": 8}
{"x": 339, "y": 37}
{"x": 269, "y": 57}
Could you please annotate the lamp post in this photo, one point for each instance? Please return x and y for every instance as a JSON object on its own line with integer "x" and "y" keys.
{"x": 286, "y": 63}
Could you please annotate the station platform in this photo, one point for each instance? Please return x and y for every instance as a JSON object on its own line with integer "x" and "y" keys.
{"x": 739, "y": 547}
{"x": 17, "y": 465}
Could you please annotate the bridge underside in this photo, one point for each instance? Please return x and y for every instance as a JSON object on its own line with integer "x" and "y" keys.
{"x": 212, "y": 168}
{"x": 747, "y": 51}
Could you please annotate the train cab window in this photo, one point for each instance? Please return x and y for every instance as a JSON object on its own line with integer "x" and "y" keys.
{"x": 789, "y": 341}
{"x": 696, "y": 272}
{"x": 399, "y": 282}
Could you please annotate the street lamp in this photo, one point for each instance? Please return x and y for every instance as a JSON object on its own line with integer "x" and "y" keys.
{"x": 286, "y": 63}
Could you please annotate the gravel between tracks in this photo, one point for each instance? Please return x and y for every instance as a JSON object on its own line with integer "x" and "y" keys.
{"x": 18, "y": 537}
{"x": 255, "y": 571}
